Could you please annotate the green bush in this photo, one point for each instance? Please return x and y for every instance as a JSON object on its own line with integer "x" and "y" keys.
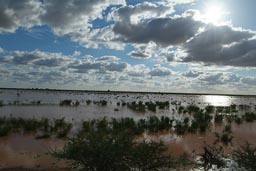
{"x": 193, "y": 109}
{"x": 66, "y": 103}
{"x": 43, "y": 136}
{"x": 246, "y": 157}
{"x": 209, "y": 109}
{"x": 249, "y": 117}
{"x": 137, "y": 107}
{"x": 151, "y": 106}
{"x": 218, "y": 118}
{"x": 115, "y": 151}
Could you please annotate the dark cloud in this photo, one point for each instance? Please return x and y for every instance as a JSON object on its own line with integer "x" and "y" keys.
{"x": 73, "y": 16}
{"x": 19, "y": 13}
{"x": 222, "y": 45}
{"x": 249, "y": 80}
{"x": 139, "y": 54}
{"x": 162, "y": 31}
{"x": 35, "y": 57}
{"x": 53, "y": 62}
{"x": 116, "y": 66}
{"x": 108, "y": 58}
{"x": 63, "y": 16}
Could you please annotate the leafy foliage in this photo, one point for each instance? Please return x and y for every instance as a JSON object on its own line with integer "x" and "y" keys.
{"x": 108, "y": 150}
{"x": 210, "y": 157}
{"x": 246, "y": 157}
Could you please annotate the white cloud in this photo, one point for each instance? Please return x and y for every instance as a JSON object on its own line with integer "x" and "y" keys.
{"x": 1, "y": 50}
{"x": 15, "y": 14}
{"x": 35, "y": 57}
{"x": 159, "y": 71}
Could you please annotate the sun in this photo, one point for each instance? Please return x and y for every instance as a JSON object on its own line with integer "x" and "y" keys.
{"x": 214, "y": 13}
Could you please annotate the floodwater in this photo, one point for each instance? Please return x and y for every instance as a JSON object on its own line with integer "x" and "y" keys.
{"x": 24, "y": 151}
{"x": 24, "y": 103}
{"x": 19, "y": 151}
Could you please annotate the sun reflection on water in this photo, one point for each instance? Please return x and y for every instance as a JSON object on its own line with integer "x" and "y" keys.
{"x": 217, "y": 100}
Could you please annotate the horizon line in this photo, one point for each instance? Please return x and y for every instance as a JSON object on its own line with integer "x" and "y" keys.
{"x": 125, "y": 91}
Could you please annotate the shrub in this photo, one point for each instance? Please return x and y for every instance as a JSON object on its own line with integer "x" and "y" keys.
{"x": 193, "y": 109}
{"x": 220, "y": 109}
{"x": 193, "y": 127}
{"x": 249, "y": 117}
{"x": 211, "y": 156}
{"x": 137, "y": 107}
{"x": 88, "y": 102}
{"x": 163, "y": 105}
{"x": 180, "y": 128}
{"x": 186, "y": 121}
{"x": 43, "y": 136}
{"x": 218, "y": 118}
{"x": 4, "y": 130}
{"x": 1, "y": 103}
{"x": 227, "y": 128}
{"x": 238, "y": 120}
{"x": 246, "y": 157}
{"x": 66, "y": 103}
{"x": 103, "y": 102}
{"x": 151, "y": 106}
{"x": 180, "y": 109}
{"x": 226, "y": 138}
{"x": 115, "y": 151}
{"x": 209, "y": 109}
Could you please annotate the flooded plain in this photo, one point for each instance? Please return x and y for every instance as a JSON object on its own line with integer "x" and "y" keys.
{"x": 24, "y": 151}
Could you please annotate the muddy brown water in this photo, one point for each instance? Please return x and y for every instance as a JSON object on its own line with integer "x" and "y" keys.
{"x": 24, "y": 151}
{"x": 19, "y": 152}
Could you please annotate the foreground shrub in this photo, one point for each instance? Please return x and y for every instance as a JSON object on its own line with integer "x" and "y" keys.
{"x": 249, "y": 117}
{"x": 246, "y": 157}
{"x": 107, "y": 150}
{"x": 211, "y": 156}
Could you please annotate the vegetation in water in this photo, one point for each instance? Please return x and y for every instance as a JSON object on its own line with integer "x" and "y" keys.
{"x": 104, "y": 149}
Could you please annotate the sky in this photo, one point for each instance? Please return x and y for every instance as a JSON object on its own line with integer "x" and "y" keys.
{"x": 185, "y": 46}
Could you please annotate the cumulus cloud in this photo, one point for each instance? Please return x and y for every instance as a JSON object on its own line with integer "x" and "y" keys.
{"x": 96, "y": 65}
{"x": 14, "y": 14}
{"x": 192, "y": 74}
{"x": 1, "y": 50}
{"x": 159, "y": 71}
{"x": 138, "y": 71}
{"x": 73, "y": 16}
{"x": 249, "y": 80}
{"x": 139, "y": 54}
{"x": 108, "y": 58}
{"x": 144, "y": 50}
{"x": 222, "y": 45}
{"x": 162, "y": 31}
{"x": 65, "y": 17}
{"x": 35, "y": 57}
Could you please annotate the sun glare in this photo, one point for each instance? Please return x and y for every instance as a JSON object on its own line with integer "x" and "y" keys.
{"x": 214, "y": 13}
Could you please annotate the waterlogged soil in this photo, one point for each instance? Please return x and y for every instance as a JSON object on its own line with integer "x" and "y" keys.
{"x": 24, "y": 152}
{"x": 19, "y": 152}
{"x": 192, "y": 144}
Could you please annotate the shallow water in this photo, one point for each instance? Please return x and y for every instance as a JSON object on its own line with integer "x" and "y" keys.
{"x": 26, "y": 100}
{"x": 27, "y": 152}
{"x": 18, "y": 150}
